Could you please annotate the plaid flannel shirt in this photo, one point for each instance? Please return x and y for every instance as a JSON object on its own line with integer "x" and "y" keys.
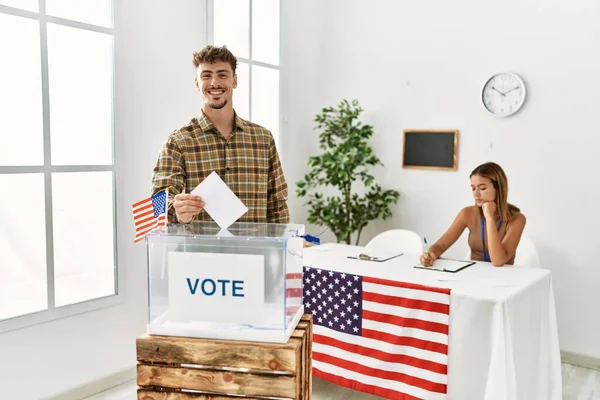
{"x": 247, "y": 162}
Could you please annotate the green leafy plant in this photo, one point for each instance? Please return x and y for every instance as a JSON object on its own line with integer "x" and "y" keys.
{"x": 345, "y": 159}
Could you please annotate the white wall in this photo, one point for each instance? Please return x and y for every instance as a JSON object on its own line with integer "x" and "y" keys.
{"x": 154, "y": 95}
{"x": 301, "y": 88}
{"x": 422, "y": 65}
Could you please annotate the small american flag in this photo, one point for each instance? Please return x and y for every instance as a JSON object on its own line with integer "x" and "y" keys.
{"x": 378, "y": 336}
{"x": 150, "y": 213}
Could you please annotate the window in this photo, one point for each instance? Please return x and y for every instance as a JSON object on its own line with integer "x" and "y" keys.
{"x": 57, "y": 174}
{"x": 251, "y": 30}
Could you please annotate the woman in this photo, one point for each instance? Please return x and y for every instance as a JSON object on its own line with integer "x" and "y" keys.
{"x": 495, "y": 226}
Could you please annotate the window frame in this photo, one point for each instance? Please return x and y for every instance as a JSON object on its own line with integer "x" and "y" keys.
{"x": 210, "y": 35}
{"x": 47, "y": 169}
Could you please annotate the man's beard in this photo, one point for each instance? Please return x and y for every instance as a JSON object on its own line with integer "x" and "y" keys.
{"x": 217, "y": 106}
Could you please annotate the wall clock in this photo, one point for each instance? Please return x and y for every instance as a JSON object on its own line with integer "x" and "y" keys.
{"x": 503, "y": 94}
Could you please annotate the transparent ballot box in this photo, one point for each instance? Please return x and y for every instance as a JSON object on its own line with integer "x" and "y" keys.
{"x": 243, "y": 283}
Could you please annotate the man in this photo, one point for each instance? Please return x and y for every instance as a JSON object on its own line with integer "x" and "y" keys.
{"x": 241, "y": 152}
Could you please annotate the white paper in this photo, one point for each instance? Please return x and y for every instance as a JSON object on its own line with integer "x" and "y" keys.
{"x": 215, "y": 287}
{"x": 448, "y": 279}
{"x": 221, "y": 203}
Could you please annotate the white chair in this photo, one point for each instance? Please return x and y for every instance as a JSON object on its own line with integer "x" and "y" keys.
{"x": 468, "y": 255}
{"x": 527, "y": 254}
{"x": 400, "y": 240}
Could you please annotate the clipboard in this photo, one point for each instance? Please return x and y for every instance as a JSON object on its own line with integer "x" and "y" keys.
{"x": 366, "y": 257}
{"x": 442, "y": 268}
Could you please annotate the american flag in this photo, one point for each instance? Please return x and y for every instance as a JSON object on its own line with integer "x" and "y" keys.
{"x": 379, "y": 336}
{"x": 150, "y": 213}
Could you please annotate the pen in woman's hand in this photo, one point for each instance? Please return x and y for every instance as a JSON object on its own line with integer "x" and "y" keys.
{"x": 426, "y": 260}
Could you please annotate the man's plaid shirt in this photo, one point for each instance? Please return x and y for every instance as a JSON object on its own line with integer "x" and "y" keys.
{"x": 247, "y": 162}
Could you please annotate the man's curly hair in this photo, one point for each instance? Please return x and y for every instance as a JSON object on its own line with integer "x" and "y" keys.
{"x": 213, "y": 54}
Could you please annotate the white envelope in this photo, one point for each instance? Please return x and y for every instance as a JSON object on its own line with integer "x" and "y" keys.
{"x": 220, "y": 202}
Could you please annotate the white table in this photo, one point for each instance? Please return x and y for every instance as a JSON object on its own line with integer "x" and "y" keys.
{"x": 503, "y": 338}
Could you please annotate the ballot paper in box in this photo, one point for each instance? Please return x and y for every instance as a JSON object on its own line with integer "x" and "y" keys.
{"x": 242, "y": 283}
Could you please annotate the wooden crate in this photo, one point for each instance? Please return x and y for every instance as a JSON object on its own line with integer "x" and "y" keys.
{"x": 169, "y": 367}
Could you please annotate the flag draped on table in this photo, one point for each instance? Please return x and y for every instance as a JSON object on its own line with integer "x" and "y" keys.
{"x": 378, "y": 336}
{"x": 150, "y": 213}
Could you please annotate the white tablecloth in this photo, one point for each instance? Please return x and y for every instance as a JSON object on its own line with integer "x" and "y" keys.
{"x": 503, "y": 340}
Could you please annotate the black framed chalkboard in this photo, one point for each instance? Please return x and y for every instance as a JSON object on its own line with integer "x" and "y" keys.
{"x": 430, "y": 149}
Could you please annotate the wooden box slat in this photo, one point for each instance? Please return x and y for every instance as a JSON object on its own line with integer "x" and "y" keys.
{"x": 217, "y": 381}
{"x": 298, "y": 377}
{"x": 300, "y": 334}
{"x": 306, "y": 382}
{"x": 218, "y": 353}
{"x": 143, "y": 394}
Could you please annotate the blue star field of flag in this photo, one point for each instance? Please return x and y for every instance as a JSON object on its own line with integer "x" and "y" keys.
{"x": 159, "y": 203}
{"x": 334, "y": 299}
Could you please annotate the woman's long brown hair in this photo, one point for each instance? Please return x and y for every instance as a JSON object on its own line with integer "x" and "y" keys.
{"x": 496, "y": 174}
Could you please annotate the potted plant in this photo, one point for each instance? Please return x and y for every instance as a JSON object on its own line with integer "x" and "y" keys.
{"x": 345, "y": 159}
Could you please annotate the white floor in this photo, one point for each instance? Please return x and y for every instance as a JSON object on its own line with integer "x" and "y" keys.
{"x": 578, "y": 384}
